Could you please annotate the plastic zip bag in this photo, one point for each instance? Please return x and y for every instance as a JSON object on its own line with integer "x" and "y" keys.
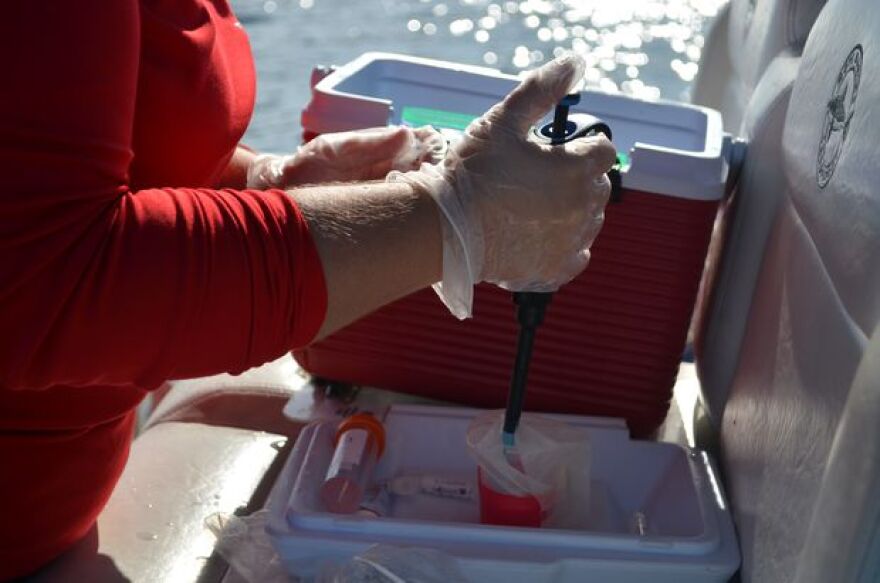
{"x": 550, "y": 461}
{"x": 243, "y": 542}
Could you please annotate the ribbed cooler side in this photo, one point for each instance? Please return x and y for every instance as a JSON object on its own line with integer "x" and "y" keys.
{"x": 610, "y": 344}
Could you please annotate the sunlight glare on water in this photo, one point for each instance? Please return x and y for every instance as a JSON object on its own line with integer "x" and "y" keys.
{"x": 645, "y": 48}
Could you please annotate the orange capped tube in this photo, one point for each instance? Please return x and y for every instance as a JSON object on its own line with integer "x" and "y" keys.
{"x": 360, "y": 442}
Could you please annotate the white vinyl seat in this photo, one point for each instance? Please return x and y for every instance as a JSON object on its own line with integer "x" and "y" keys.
{"x": 738, "y": 243}
{"x": 251, "y": 400}
{"x": 154, "y": 527}
{"x": 799, "y": 281}
{"x": 750, "y": 62}
{"x": 745, "y": 38}
{"x": 846, "y": 514}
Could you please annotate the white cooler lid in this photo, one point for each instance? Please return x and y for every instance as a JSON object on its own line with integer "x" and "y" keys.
{"x": 675, "y": 149}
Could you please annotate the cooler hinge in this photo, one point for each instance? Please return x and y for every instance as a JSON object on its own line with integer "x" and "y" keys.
{"x": 736, "y": 155}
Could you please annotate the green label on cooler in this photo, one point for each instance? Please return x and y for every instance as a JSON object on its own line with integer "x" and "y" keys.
{"x": 423, "y": 116}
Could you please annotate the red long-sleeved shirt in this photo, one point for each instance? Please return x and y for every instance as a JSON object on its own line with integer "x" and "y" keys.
{"x": 120, "y": 266}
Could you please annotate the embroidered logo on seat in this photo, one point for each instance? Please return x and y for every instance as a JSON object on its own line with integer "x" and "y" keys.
{"x": 838, "y": 114}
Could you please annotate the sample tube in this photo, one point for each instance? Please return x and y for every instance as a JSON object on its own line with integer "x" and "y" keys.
{"x": 360, "y": 442}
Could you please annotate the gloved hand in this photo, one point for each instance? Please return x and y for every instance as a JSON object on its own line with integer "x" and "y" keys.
{"x": 515, "y": 212}
{"x": 348, "y": 156}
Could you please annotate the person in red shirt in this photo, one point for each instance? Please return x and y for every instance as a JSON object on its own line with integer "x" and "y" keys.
{"x": 135, "y": 248}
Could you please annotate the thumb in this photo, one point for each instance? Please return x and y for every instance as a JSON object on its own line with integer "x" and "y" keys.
{"x": 540, "y": 91}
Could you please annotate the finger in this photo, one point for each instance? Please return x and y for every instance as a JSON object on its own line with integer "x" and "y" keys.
{"x": 598, "y": 149}
{"x": 540, "y": 91}
{"x": 591, "y": 228}
{"x": 564, "y": 273}
{"x": 601, "y": 192}
{"x": 431, "y": 145}
{"x": 427, "y": 133}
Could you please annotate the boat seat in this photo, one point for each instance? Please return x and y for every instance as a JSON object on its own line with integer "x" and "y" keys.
{"x": 744, "y": 40}
{"x": 738, "y": 243}
{"x": 154, "y": 525}
{"x": 847, "y": 508}
{"x": 251, "y": 400}
{"x": 749, "y": 65}
{"x": 806, "y": 378}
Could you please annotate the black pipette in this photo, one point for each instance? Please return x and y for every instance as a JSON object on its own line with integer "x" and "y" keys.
{"x": 530, "y": 309}
{"x": 531, "y": 306}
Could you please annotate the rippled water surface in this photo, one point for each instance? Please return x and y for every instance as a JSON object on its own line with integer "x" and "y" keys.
{"x": 646, "y": 48}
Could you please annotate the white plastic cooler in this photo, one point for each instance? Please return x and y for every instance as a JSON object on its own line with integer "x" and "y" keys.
{"x": 688, "y": 535}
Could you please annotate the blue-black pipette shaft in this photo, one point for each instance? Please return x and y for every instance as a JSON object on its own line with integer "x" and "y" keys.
{"x": 531, "y": 306}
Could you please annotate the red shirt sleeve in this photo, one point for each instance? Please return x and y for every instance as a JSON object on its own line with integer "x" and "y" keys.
{"x": 102, "y": 284}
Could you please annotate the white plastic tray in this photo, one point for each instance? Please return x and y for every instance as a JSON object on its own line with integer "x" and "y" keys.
{"x": 689, "y": 536}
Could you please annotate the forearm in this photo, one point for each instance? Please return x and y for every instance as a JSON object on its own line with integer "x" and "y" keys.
{"x": 377, "y": 242}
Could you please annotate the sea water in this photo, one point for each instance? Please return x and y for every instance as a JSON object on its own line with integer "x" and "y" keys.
{"x": 646, "y": 48}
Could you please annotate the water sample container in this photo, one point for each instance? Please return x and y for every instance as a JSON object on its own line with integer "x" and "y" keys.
{"x": 503, "y": 509}
{"x": 360, "y": 442}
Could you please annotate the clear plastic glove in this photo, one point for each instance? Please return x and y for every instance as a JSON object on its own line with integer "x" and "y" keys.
{"x": 349, "y": 156}
{"x": 515, "y": 212}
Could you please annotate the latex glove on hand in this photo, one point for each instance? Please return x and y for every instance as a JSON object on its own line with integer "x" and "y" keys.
{"x": 349, "y": 157}
{"x": 515, "y": 212}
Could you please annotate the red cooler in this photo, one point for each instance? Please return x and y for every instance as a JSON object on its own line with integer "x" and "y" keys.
{"x": 613, "y": 338}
